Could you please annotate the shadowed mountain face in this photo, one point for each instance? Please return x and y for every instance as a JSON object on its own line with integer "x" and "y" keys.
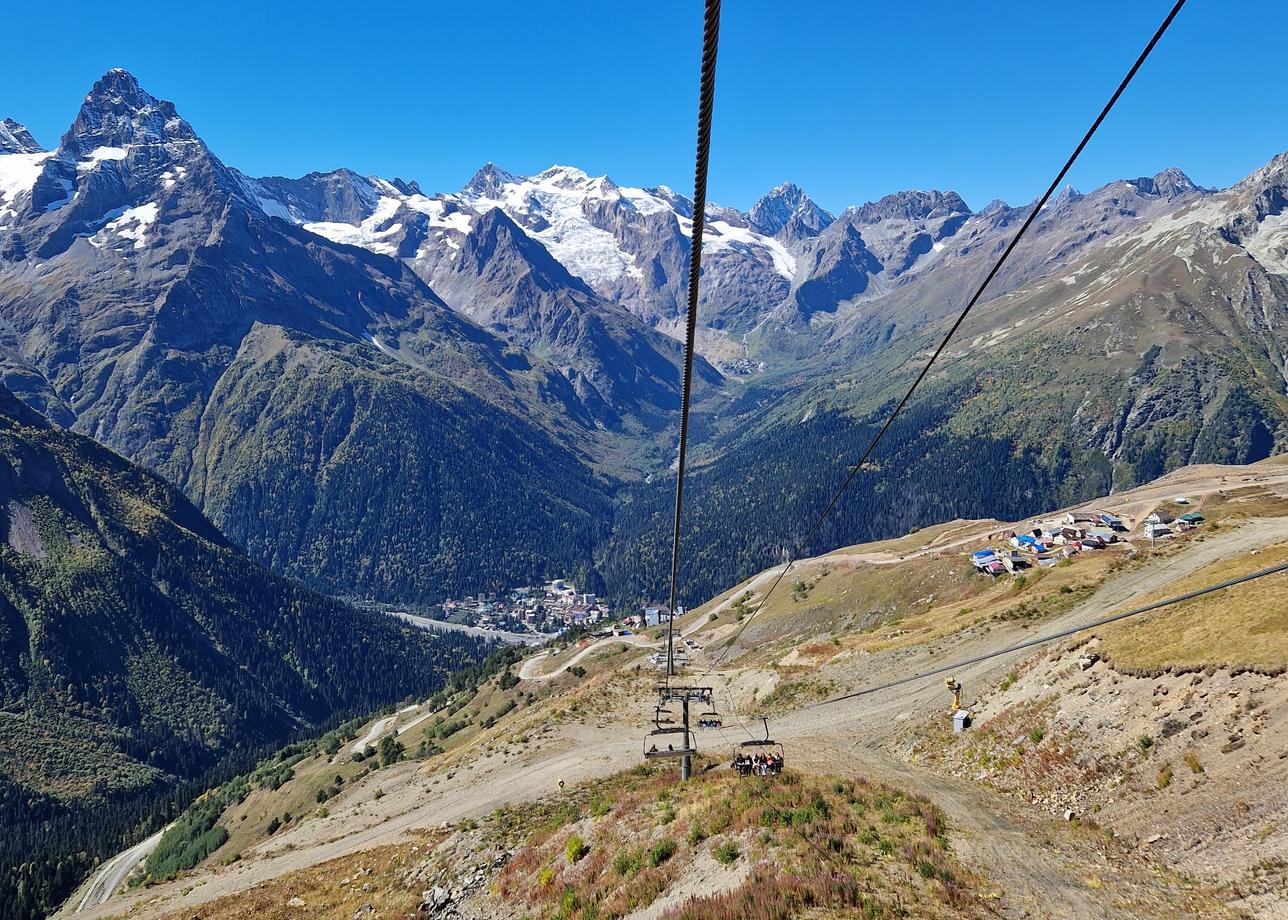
{"x": 151, "y": 302}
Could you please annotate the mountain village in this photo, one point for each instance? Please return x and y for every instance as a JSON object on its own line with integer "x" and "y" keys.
{"x": 551, "y": 607}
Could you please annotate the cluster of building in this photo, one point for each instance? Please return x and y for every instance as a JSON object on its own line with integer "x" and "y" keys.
{"x": 1045, "y": 543}
{"x": 550, "y": 607}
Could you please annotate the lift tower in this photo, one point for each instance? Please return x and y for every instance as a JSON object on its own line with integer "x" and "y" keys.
{"x": 685, "y": 696}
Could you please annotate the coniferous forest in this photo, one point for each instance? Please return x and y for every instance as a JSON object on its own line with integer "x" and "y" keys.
{"x": 142, "y": 656}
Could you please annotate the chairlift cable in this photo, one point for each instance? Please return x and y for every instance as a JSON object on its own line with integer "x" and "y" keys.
{"x": 979, "y": 292}
{"x": 706, "y": 102}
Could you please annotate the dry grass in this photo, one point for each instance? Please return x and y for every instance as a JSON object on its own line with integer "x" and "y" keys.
{"x": 868, "y": 608}
{"x": 1242, "y": 627}
{"x": 320, "y": 889}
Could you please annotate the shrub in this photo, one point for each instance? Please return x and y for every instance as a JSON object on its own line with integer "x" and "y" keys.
{"x": 274, "y": 826}
{"x": 1009, "y": 680}
{"x": 568, "y": 905}
{"x": 628, "y": 862}
{"x": 1036, "y": 734}
{"x": 575, "y": 849}
{"x": 1144, "y": 742}
{"x": 600, "y": 807}
{"x": 1164, "y": 776}
{"x": 391, "y": 750}
{"x": 545, "y": 877}
{"x": 661, "y": 851}
{"x": 1192, "y": 761}
{"x": 726, "y": 853}
{"x": 697, "y": 834}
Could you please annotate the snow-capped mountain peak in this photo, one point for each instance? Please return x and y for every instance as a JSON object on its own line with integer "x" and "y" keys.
{"x": 788, "y": 203}
{"x": 487, "y": 182}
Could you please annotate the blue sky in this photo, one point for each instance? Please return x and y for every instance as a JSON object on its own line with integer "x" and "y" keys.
{"x": 849, "y": 99}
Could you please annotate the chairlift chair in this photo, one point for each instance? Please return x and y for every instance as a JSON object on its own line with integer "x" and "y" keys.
{"x": 766, "y": 745}
{"x": 653, "y": 749}
{"x": 710, "y": 719}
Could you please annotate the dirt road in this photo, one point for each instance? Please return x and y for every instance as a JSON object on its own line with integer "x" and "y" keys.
{"x": 113, "y": 873}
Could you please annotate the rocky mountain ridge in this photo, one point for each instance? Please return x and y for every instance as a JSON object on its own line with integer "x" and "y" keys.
{"x": 254, "y": 339}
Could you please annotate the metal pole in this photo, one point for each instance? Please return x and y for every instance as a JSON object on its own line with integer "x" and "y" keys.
{"x": 686, "y": 763}
{"x": 670, "y": 643}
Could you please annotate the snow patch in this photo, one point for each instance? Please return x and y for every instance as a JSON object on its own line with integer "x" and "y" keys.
{"x": 18, "y": 174}
{"x": 99, "y": 155}
{"x": 719, "y": 234}
{"x": 172, "y": 176}
{"x": 370, "y": 234}
{"x": 131, "y": 224}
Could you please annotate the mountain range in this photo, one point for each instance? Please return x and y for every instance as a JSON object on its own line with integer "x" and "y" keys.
{"x": 402, "y": 395}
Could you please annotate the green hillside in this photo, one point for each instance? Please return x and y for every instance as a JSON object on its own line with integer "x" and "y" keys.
{"x": 140, "y": 650}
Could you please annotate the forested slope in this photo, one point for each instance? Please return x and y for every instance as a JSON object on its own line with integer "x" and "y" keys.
{"x": 140, "y": 649}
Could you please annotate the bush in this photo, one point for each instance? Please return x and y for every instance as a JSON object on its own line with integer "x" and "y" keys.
{"x": 391, "y": 750}
{"x": 274, "y": 826}
{"x": 1009, "y": 680}
{"x": 1036, "y": 734}
{"x": 697, "y": 834}
{"x": 628, "y": 862}
{"x": 545, "y": 877}
{"x": 661, "y": 851}
{"x": 600, "y": 807}
{"x": 1192, "y": 761}
{"x": 575, "y": 849}
{"x": 1144, "y": 742}
{"x": 726, "y": 853}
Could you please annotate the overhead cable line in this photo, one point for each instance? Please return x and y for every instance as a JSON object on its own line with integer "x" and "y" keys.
{"x": 1062, "y": 634}
{"x": 706, "y": 102}
{"x": 979, "y": 292}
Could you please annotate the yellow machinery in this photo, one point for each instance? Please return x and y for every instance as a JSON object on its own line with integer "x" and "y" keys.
{"x": 956, "y": 690}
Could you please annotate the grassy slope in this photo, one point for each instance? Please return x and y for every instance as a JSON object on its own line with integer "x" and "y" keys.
{"x": 604, "y": 849}
{"x": 1244, "y": 627}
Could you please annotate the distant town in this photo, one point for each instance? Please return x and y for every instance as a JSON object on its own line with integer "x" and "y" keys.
{"x": 546, "y": 609}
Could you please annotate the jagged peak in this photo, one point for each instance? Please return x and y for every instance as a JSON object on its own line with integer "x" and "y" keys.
{"x": 494, "y": 232}
{"x": 568, "y": 173}
{"x": 488, "y": 180}
{"x": 1170, "y": 183}
{"x": 787, "y": 203}
{"x": 15, "y": 138}
{"x": 118, "y": 112}
{"x": 911, "y": 205}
